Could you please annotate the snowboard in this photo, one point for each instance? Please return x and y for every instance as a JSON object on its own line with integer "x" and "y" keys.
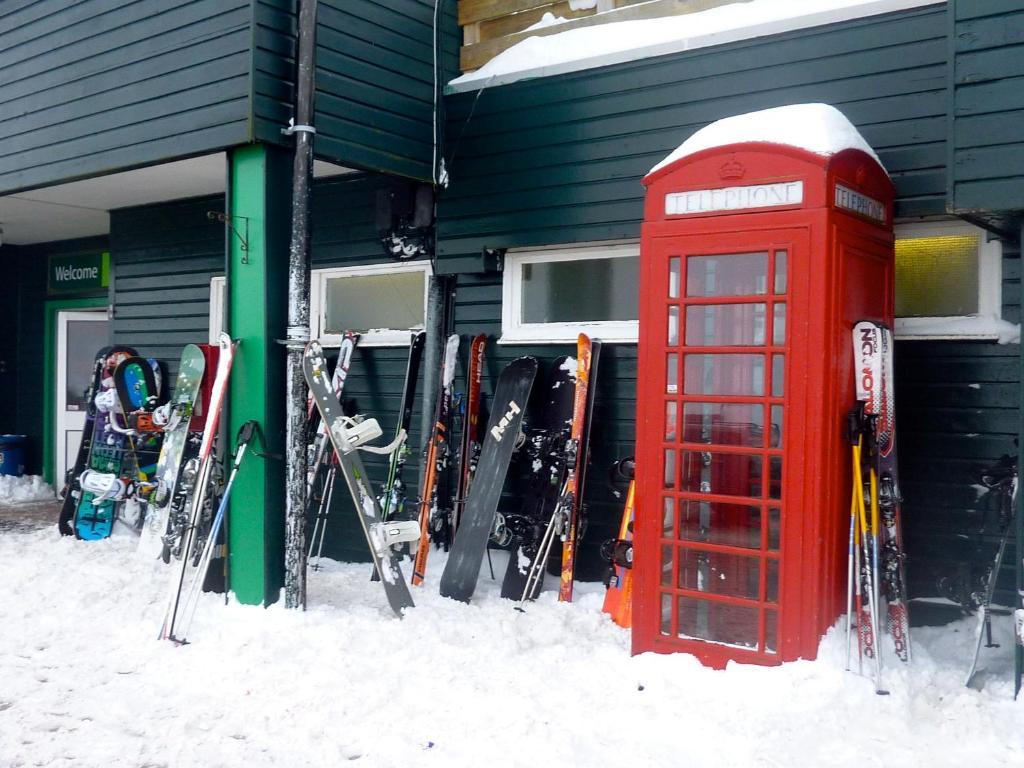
{"x": 314, "y": 366}
{"x": 95, "y": 512}
{"x": 176, "y": 417}
{"x": 510, "y": 397}
{"x": 545, "y": 448}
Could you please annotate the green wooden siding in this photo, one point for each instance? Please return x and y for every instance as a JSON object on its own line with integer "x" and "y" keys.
{"x": 986, "y": 171}
{"x": 102, "y": 85}
{"x": 163, "y": 257}
{"x": 374, "y": 73}
{"x": 559, "y": 159}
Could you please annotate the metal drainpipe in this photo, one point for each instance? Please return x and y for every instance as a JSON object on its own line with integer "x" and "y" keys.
{"x": 298, "y": 315}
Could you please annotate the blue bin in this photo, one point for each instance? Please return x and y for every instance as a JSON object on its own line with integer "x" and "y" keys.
{"x": 12, "y": 454}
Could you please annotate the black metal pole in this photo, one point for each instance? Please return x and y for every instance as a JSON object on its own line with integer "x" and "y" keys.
{"x": 298, "y": 315}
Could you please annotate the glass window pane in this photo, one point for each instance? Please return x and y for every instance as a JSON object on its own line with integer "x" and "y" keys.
{"x": 719, "y": 574}
{"x": 725, "y": 325}
{"x": 781, "y": 266}
{"x": 734, "y": 625}
{"x": 734, "y": 274}
{"x": 723, "y": 374}
{"x": 670, "y": 469}
{"x": 666, "y": 615}
{"x": 364, "y": 302}
{"x": 666, "y": 566}
{"x": 674, "y": 275}
{"x": 937, "y": 276}
{"x": 733, "y": 525}
{"x": 84, "y": 339}
{"x": 668, "y": 516}
{"x": 673, "y": 326}
{"x": 779, "y": 325}
{"x": 778, "y": 375}
{"x": 775, "y": 433}
{"x": 725, "y": 474}
{"x": 772, "y": 581}
{"x": 775, "y": 486}
{"x": 771, "y": 631}
{"x": 671, "y": 421}
{"x": 581, "y": 290}
{"x": 774, "y": 529}
{"x": 672, "y": 374}
{"x": 723, "y": 424}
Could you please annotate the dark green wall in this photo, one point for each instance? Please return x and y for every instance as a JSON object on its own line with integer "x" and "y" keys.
{"x": 101, "y": 85}
{"x": 987, "y": 93}
{"x": 374, "y": 72}
{"x": 559, "y": 159}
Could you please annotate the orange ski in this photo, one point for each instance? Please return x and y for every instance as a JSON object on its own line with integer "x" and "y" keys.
{"x": 618, "y": 601}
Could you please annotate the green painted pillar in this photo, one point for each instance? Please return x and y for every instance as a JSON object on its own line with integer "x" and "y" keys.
{"x": 258, "y": 203}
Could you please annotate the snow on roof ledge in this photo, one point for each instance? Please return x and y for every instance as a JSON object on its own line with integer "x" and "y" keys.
{"x": 818, "y": 128}
{"x": 623, "y": 41}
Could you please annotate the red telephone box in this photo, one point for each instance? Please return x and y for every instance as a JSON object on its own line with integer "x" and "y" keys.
{"x": 756, "y": 261}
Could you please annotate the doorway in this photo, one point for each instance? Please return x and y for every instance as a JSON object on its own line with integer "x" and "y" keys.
{"x": 79, "y": 335}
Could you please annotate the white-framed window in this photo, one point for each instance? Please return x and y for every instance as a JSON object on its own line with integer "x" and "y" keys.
{"x": 217, "y": 287}
{"x": 948, "y": 282}
{"x": 383, "y": 302}
{"x": 554, "y": 294}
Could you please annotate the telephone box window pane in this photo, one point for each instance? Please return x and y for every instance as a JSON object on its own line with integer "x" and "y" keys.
{"x": 719, "y": 574}
{"x": 724, "y": 474}
{"x": 734, "y": 274}
{"x": 674, "y": 276}
{"x": 393, "y": 301}
{"x": 774, "y": 529}
{"x": 734, "y": 625}
{"x": 775, "y": 433}
{"x": 771, "y": 631}
{"x": 772, "y": 581}
{"x": 666, "y": 614}
{"x": 779, "y": 325}
{"x": 778, "y": 375}
{"x": 724, "y": 424}
{"x": 670, "y": 468}
{"x": 673, "y": 326}
{"x": 712, "y": 522}
{"x": 666, "y": 566}
{"x": 725, "y": 325}
{"x": 580, "y": 290}
{"x": 667, "y": 517}
{"x": 723, "y": 375}
{"x": 781, "y": 257}
{"x": 937, "y": 276}
{"x": 672, "y": 374}
{"x": 671, "y": 420}
{"x": 775, "y": 485}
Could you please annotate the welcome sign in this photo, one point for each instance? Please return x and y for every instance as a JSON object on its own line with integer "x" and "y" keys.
{"x": 78, "y": 273}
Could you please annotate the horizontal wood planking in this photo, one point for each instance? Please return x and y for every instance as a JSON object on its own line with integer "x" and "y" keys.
{"x": 99, "y": 85}
{"x": 560, "y": 159}
{"x": 985, "y": 172}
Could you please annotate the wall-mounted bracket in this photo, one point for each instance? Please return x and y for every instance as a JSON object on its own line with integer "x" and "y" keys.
{"x": 243, "y": 239}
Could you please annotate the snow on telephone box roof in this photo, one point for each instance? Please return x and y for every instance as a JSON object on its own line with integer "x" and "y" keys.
{"x": 818, "y": 128}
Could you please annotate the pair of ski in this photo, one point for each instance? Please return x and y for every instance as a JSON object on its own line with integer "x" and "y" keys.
{"x": 875, "y": 559}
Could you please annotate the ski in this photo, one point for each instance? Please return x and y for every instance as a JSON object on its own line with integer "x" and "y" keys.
{"x": 201, "y": 485}
{"x": 587, "y": 354}
{"x": 545, "y": 448}
{"x": 393, "y": 498}
{"x": 346, "y": 436}
{"x": 469, "y": 450}
{"x": 874, "y": 341}
{"x": 467, "y": 552}
{"x": 431, "y": 514}
{"x": 175, "y": 417}
{"x": 618, "y": 600}
{"x": 322, "y": 469}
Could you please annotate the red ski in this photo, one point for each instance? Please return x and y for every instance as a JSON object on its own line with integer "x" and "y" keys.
{"x": 470, "y": 449}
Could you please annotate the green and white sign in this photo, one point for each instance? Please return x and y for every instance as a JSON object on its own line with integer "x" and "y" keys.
{"x": 80, "y": 273}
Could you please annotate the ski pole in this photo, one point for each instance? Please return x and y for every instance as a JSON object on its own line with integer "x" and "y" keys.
{"x": 245, "y": 434}
{"x": 850, "y": 578}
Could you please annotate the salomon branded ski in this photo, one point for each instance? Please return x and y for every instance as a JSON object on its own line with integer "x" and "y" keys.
{"x": 201, "y": 485}
{"x": 347, "y": 437}
{"x": 174, "y": 417}
{"x": 510, "y": 397}
{"x": 433, "y": 516}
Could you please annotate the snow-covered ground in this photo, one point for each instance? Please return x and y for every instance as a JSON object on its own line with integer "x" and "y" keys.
{"x": 19, "y": 490}
{"x": 84, "y": 682}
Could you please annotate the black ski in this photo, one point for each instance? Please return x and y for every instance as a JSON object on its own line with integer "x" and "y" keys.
{"x": 510, "y": 396}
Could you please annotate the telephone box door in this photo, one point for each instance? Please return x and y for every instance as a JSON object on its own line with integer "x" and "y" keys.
{"x": 716, "y": 357}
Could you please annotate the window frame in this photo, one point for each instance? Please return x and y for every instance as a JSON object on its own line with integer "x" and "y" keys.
{"x": 990, "y": 287}
{"x": 515, "y": 331}
{"x": 218, "y": 289}
{"x": 390, "y": 337}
